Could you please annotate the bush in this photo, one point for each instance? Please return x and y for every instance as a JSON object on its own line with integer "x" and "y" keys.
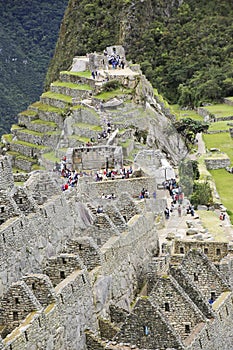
{"x": 111, "y": 85}
{"x": 202, "y": 194}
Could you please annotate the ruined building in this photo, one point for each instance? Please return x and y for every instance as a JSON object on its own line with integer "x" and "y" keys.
{"x": 72, "y": 278}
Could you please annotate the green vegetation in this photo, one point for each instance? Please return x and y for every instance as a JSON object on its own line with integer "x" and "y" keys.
{"x": 28, "y": 32}
{"x": 51, "y": 156}
{"x": 223, "y": 141}
{"x": 44, "y": 122}
{"x": 185, "y": 68}
{"x": 72, "y": 85}
{"x": 47, "y": 108}
{"x": 105, "y": 96}
{"x": 185, "y": 113}
{"x": 222, "y": 125}
{"x": 29, "y": 112}
{"x": 60, "y": 97}
{"x": 220, "y": 110}
{"x": 210, "y": 220}
{"x": 88, "y": 126}
{"x": 188, "y": 128}
{"x": 202, "y": 193}
{"x": 85, "y": 74}
{"x": 223, "y": 181}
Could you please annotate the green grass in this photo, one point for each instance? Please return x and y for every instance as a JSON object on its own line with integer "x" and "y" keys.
{"x": 230, "y": 98}
{"x": 60, "y": 97}
{"x": 7, "y": 137}
{"x": 79, "y": 138}
{"x": 28, "y": 113}
{"x": 44, "y": 122}
{"x": 88, "y": 126}
{"x": 46, "y": 108}
{"x": 72, "y": 85}
{"x": 51, "y": 156}
{"x": 105, "y": 96}
{"x": 220, "y": 110}
{"x": 221, "y": 125}
{"x": 16, "y": 127}
{"x": 189, "y": 113}
{"x": 210, "y": 220}
{"x": 31, "y": 145}
{"x": 222, "y": 141}
{"x": 85, "y": 74}
{"x": 223, "y": 181}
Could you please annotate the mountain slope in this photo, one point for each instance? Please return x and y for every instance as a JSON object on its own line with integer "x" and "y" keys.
{"x": 28, "y": 33}
{"x": 184, "y": 47}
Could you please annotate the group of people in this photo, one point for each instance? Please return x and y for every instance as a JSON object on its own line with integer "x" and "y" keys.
{"x": 108, "y": 174}
{"x": 115, "y": 60}
{"x": 144, "y": 193}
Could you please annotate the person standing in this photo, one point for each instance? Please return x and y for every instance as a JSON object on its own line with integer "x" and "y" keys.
{"x": 179, "y": 210}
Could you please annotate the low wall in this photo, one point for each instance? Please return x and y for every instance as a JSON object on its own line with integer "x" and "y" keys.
{"x": 36, "y": 237}
{"x": 61, "y": 325}
{"x": 133, "y": 186}
{"x": 213, "y": 164}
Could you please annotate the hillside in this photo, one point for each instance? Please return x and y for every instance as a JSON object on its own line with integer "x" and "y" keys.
{"x": 184, "y": 47}
{"x": 28, "y": 33}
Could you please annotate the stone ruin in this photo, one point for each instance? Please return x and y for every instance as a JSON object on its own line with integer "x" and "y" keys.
{"x": 83, "y": 280}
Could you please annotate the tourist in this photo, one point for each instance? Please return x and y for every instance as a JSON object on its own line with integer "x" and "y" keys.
{"x": 99, "y": 209}
{"x": 166, "y": 213}
{"x": 179, "y": 210}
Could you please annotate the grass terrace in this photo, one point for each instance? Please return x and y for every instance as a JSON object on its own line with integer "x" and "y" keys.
{"x": 79, "y": 138}
{"x": 51, "y": 157}
{"x": 85, "y": 74}
{"x": 223, "y": 141}
{"x": 220, "y": 110}
{"x": 223, "y": 181}
{"x": 72, "y": 85}
{"x": 188, "y": 113}
{"x": 210, "y": 220}
{"x": 221, "y": 125}
{"x": 46, "y": 108}
{"x": 88, "y": 126}
{"x": 60, "y": 97}
{"x": 44, "y": 122}
{"x": 107, "y": 95}
{"x": 28, "y": 113}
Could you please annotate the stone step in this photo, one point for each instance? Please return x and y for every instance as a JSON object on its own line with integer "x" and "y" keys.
{"x": 37, "y": 138}
{"x": 87, "y": 130}
{"x": 78, "y": 91}
{"x": 38, "y": 125}
{"x": 28, "y": 149}
{"x": 48, "y": 113}
{"x": 56, "y": 100}
{"x": 21, "y": 162}
{"x": 26, "y": 117}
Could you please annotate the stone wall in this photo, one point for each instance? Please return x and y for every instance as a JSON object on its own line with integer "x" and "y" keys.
{"x": 215, "y": 251}
{"x": 6, "y": 177}
{"x": 216, "y": 163}
{"x": 60, "y": 325}
{"x": 133, "y": 186}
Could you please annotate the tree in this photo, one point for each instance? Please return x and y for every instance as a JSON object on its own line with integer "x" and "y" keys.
{"x": 202, "y": 194}
{"x": 189, "y": 128}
